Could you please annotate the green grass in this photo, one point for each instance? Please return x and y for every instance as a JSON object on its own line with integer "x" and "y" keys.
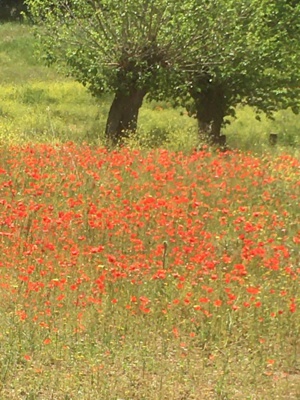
{"x": 19, "y": 63}
{"x": 40, "y": 111}
{"x": 246, "y": 132}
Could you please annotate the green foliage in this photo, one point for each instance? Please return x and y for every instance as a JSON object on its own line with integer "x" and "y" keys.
{"x": 248, "y": 53}
{"x": 218, "y": 50}
{"x": 116, "y": 47}
{"x": 109, "y": 45}
{"x": 64, "y": 110}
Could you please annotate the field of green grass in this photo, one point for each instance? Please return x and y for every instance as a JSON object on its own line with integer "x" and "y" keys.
{"x": 142, "y": 274}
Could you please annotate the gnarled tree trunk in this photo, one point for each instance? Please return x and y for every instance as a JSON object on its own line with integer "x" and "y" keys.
{"x": 123, "y": 115}
{"x": 210, "y": 105}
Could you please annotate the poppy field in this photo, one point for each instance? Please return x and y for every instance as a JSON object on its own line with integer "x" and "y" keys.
{"x": 148, "y": 274}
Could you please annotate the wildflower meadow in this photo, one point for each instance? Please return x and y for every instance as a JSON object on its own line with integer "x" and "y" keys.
{"x": 137, "y": 274}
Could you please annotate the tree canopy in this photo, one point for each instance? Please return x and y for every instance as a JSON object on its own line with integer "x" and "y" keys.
{"x": 215, "y": 53}
{"x": 112, "y": 46}
{"x": 250, "y": 52}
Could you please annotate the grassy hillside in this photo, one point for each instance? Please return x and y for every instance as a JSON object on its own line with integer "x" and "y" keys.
{"x": 38, "y": 104}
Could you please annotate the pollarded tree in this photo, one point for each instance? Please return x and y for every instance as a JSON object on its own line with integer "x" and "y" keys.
{"x": 114, "y": 46}
{"x": 249, "y": 54}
